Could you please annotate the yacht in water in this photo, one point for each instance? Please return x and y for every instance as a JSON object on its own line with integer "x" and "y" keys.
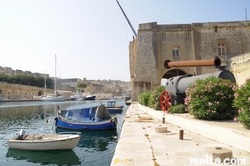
{"x": 52, "y": 97}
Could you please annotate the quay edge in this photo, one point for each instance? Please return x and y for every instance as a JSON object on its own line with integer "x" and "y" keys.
{"x": 139, "y": 144}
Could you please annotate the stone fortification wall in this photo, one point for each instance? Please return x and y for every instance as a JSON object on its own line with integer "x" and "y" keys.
{"x": 196, "y": 41}
{"x": 241, "y": 68}
{"x": 17, "y": 91}
{"x": 174, "y": 37}
{"x": 145, "y": 60}
{"x": 234, "y": 35}
{"x": 146, "y": 56}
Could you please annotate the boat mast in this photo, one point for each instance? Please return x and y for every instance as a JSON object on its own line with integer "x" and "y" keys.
{"x": 135, "y": 34}
{"x": 45, "y": 86}
{"x": 55, "y": 77}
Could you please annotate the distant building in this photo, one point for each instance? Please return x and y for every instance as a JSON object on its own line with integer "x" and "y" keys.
{"x": 7, "y": 71}
{"x": 115, "y": 87}
{"x": 70, "y": 82}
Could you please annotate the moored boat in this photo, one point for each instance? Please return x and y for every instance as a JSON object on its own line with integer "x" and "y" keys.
{"x": 43, "y": 142}
{"x": 89, "y": 97}
{"x": 113, "y": 108}
{"x": 53, "y": 97}
{"x": 76, "y": 96}
{"x": 90, "y": 118}
{"x": 128, "y": 100}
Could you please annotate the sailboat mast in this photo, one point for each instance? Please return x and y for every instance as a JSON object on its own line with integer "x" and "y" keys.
{"x": 45, "y": 86}
{"x": 55, "y": 76}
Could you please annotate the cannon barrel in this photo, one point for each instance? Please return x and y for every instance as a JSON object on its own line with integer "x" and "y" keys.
{"x": 194, "y": 63}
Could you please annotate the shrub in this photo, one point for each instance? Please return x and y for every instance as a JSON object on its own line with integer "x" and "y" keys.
{"x": 180, "y": 108}
{"x": 211, "y": 99}
{"x": 242, "y": 103}
{"x": 151, "y": 98}
{"x": 154, "y": 99}
{"x": 144, "y": 98}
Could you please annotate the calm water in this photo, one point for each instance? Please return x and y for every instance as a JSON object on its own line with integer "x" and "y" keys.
{"x": 94, "y": 149}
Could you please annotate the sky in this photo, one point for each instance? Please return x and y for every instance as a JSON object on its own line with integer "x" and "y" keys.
{"x": 90, "y": 38}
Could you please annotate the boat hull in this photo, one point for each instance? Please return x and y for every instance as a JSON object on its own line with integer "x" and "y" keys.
{"x": 80, "y": 126}
{"x": 112, "y": 108}
{"x": 89, "y": 98}
{"x": 59, "y": 98}
{"x": 47, "y": 142}
{"x": 117, "y": 110}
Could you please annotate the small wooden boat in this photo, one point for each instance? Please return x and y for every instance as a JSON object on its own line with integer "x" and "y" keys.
{"x": 44, "y": 142}
{"x": 113, "y": 108}
{"x": 128, "y": 100}
{"x": 90, "y": 118}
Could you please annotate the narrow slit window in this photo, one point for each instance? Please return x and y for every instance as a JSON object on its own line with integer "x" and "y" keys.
{"x": 176, "y": 52}
{"x": 221, "y": 49}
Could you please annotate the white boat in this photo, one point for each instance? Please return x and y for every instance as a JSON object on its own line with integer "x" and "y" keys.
{"x": 113, "y": 108}
{"x": 89, "y": 97}
{"x": 76, "y": 96}
{"x": 44, "y": 142}
{"x": 52, "y": 97}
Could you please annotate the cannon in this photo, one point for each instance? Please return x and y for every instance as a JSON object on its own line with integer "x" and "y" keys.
{"x": 175, "y": 87}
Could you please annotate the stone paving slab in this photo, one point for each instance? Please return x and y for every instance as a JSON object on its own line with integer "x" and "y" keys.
{"x": 229, "y": 132}
{"x": 140, "y": 145}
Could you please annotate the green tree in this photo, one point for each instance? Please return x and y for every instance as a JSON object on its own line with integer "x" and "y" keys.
{"x": 4, "y": 77}
{"x": 27, "y": 80}
{"x": 81, "y": 85}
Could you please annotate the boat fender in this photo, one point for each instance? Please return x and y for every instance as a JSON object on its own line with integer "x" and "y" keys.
{"x": 115, "y": 119}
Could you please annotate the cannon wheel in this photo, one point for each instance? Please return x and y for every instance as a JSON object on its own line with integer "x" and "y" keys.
{"x": 165, "y": 101}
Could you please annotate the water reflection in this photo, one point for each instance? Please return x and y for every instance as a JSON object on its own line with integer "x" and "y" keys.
{"x": 67, "y": 157}
{"x": 95, "y": 140}
{"x": 16, "y": 114}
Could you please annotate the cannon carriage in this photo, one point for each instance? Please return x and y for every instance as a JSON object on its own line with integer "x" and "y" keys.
{"x": 175, "y": 87}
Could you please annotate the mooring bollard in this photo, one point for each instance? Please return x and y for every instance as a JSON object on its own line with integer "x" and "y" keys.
{"x": 181, "y": 134}
{"x": 163, "y": 118}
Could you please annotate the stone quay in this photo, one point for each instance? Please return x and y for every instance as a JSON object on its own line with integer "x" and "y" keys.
{"x": 141, "y": 143}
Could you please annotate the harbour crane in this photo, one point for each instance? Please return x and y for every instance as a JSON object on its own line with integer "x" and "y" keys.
{"x": 135, "y": 34}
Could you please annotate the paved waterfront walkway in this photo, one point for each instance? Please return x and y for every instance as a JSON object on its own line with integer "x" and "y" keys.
{"x": 140, "y": 145}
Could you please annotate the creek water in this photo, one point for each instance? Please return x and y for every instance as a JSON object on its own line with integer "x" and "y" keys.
{"x": 95, "y": 148}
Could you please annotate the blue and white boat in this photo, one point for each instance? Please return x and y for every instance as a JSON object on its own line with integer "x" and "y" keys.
{"x": 113, "y": 108}
{"x": 91, "y": 118}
